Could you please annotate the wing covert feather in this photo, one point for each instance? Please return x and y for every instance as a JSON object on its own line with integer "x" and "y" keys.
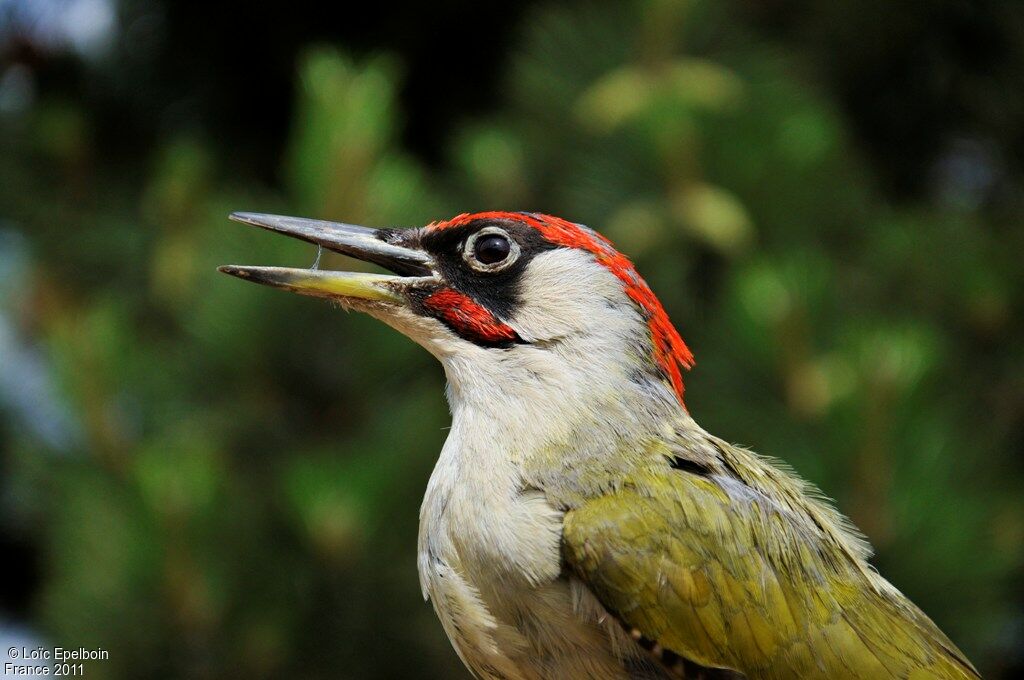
{"x": 729, "y": 576}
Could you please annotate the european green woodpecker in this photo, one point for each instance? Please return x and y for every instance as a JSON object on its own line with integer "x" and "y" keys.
{"x": 579, "y": 523}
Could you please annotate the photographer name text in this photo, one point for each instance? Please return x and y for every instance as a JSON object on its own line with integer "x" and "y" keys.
{"x": 52, "y": 661}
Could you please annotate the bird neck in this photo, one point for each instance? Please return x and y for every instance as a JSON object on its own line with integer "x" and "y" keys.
{"x": 536, "y": 404}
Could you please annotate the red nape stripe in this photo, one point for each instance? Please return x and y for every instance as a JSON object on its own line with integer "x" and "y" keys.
{"x": 670, "y": 352}
{"x": 468, "y": 318}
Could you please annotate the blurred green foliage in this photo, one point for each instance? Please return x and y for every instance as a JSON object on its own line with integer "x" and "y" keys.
{"x": 235, "y": 490}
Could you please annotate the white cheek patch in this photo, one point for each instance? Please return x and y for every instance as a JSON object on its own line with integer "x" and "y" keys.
{"x": 565, "y": 292}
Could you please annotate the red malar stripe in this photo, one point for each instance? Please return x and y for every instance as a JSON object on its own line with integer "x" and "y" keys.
{"x": 468, "y": 317}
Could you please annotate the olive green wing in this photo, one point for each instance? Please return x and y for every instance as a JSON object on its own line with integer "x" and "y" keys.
{"x": 728, "y": 576}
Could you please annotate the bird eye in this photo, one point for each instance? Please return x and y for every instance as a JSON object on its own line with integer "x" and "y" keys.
{"x": 490, "y": 249}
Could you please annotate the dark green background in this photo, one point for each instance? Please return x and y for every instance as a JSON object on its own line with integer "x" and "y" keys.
{"x": 212, "y": 479}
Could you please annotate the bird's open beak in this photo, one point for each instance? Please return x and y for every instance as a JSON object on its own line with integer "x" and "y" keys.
{"x": 409, "y": 264}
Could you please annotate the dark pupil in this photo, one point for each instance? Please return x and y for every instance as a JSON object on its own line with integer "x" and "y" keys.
{"x": 491, "y": 249}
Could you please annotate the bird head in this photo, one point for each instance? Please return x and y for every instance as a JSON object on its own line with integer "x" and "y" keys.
{"x": 510, "y": 302}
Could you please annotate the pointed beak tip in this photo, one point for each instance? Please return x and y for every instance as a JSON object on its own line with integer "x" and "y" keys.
{"x": 233, "y": 270}
{"x": 262, "y": 220}
{"x": 263, "y": 275}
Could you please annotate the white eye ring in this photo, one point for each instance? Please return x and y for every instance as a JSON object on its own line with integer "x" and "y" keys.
{"x": 469, "y": 250}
